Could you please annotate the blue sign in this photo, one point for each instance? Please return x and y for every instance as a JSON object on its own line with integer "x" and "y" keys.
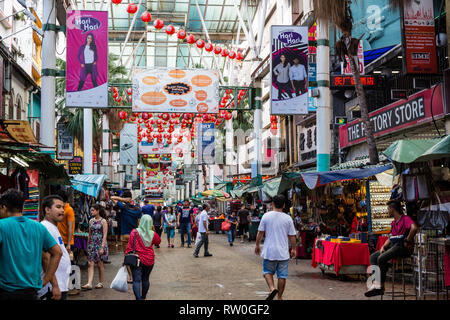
{"x": 206, "y": 149}
{"x": 312, "y": 72}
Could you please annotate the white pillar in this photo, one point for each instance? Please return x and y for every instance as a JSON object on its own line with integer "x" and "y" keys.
{"x": 323, "y": 115}
{"x": 87, "y": 140}
{"x": 105, "y": 140}
{"x": 211, "y": 176}
{"x": 193, "y": 188}
{"x": 48, "y": 82}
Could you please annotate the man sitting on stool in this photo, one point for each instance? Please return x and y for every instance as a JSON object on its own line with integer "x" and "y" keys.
{"x": 399, "y": 245}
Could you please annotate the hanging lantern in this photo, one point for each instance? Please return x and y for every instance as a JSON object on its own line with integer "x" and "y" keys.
{"x": 158, "y": 24}
{"x": 123, "y": 115}
{"x": 152, "y": 122}
{"x": 170, "y": 30}
{"x": 217, "y": 50}
{"x": 200, "y": 44}
{"x": 181, "y": 34}
{"x": 116, "y": 1}
{"x": 190, "y": 39}
{"x": 232, "y": 55}
{"x": 239, "y": 56}
{"x": 228, "y": 116}
{"x": 209, "y": 47}
{"x": 145, "y": 116}
{"x": 119, "y": 99}
{"x": 132, "y": 8}
{"x": 146, "y": 17}
{"x": 224, "y": 53}
{"x": 273, "y": 131}
{"x": 129, "y": 91}
{"x": 274, "y": 125}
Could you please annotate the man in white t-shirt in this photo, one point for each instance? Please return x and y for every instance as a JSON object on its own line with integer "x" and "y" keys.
{"x": 56, "y": 289}
{"x": 279, "y": 230}
{"x": 203, "y": 230}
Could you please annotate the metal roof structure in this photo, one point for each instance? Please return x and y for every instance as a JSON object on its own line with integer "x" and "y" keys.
{"x": 140, "y": 45}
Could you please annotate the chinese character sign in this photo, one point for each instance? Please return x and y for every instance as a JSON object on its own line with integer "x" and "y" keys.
{"x": 87, "y": 59}
{"x": 289, "y": 70}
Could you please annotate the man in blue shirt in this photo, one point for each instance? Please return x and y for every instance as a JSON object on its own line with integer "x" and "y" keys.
{"x": 22, "y": 241}
{"x": 184, "y": 222}
{"x": 298, "y": 76}
{"x": 148, "y": 208}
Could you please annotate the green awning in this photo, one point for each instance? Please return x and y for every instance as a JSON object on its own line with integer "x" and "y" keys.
{"x": 277, "y": 185}
{"x": 438, "y": 151}
{"x": 407, "y": 151}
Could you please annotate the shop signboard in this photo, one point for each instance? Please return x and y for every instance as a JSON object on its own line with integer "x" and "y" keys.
{"x": 76, "y": 166}
{"x": 65, "y": 143}
{"x": 307, "y": 143}
{"x": 20, "y": 130}
{"x": 175, "y": 90}
{"x": 87, "y": 59}
{"x": 154, "y": 147}
{"x": 289, "y": 70}
{"x": 344, "y": 82}
{"x": 206, "y": 145}
{"x": 130, "y": 173}
{"x": 396, "y": 116}
{"x": 128, "y": 145}
{"x": 419, "y": 43}
{"x": 348, "y": 69}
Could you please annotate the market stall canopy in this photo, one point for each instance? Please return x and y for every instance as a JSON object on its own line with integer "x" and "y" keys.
{"x": 315, "y": 179}
{"x": 278, "y": 185}
{"x": 438, "y": 151}
{"x": 407, "y": 151}
{"x": 215, "y": 193}
{"x": 89, "y": 184}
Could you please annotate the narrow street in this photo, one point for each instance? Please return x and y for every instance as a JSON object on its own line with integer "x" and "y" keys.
{"x": 231, "y": 273}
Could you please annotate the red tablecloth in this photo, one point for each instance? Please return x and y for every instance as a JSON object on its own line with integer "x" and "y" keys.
{"x": 341, "y": 254}
{"x": 381, "y": 240}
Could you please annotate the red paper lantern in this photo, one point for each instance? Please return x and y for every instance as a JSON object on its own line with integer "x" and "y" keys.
{"x": 132, "y": 8}
{"x": 181, "y": 34}
{"x": 190, "y": 39}
{"x": 228, "y": 116}
{"x": 158, "y": 24}
{"x": 239, "y": 56}
{"x": 224, "y": 53}
{"x": 170, "y": 30}
{"x": 119, "y": 99}
{"x": 129, "y": 91}
{"x": 232, "y": 55}
{"x": 146, "y": 17}
{"x": 123, "y": 115}
{"x": 116, "y": 1}
{"x": 217, "y": 50}
{"x": 209, "y": 47}
{"x": 200, "y": 43}
{"x": 145, "y": 116}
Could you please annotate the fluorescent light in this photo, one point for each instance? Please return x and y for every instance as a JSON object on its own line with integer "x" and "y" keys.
{"x": 376, "y": 71}
{"x": 395, "y": 71}
{"x": 1, "y": 160}
{"x": 400, "y": 57}
{"x": 19, "y": 161}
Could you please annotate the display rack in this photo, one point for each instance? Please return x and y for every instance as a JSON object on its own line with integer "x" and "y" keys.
{"x": 377, "y": 197}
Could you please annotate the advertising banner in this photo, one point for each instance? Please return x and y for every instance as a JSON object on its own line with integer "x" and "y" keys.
{"x": 154, "y": 147}
{"x": 65, "y": 143}
{"x": 396, "y": 116}
{"x": 76, "y": 166}
{"x": 176, "y": 90}
{"x": 289, "y": 70}
{"x": 419, "y": 41}
{"x": 348, "y": 69}
{"x": 206, "y": 148}
{"x": 87, "y": 59}
{"x": 128, "y": 145}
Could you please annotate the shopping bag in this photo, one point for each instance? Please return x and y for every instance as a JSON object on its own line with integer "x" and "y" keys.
{"x": 434, "y": 217}
{"x": 198, "y": 238}
{"x": 120, "y": 281}
{"x": 226, "y": 226}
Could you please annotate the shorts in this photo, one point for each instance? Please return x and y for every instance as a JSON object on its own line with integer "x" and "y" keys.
{"x": 243, "y": 228}
{"x": 278, "y": 266}
{"x": 170, "y": 232}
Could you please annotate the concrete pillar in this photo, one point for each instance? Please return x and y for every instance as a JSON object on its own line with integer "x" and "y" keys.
{"x": 87, "y": 140}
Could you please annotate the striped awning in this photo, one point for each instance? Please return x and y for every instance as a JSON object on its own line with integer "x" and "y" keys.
{"x": 89, "y": 184}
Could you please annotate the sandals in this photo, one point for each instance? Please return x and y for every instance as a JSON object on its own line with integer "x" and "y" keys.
{"x": 99, "y": 285}
{"x": 86, "y": 287}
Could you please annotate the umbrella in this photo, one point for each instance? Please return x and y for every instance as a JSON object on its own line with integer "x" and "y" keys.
{"x": 215, "y": 193}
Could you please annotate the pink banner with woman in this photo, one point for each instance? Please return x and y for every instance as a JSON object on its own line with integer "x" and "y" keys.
{"x": 87, "y": 59}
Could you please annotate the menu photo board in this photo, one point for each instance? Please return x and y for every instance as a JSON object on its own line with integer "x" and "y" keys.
{"x": 76, "y": 166}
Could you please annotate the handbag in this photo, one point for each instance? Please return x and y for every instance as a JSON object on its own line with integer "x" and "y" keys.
{"x": 433, "y": 219}
{"x": 132, "y": 259}
{"x": 226, "y": 226}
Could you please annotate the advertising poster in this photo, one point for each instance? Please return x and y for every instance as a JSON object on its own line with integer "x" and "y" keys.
{"x": 289, "y": 70}
{"x": 154, "y": 147}
{"x": 206, "y": 148}
{"x": 348, "y": 69}
{"x": 87, "y": 59}
{"x": 128, "y": 145}
{"x": 65, "y": 143}
{"x": 419, "y": 41}
{"x": 176, "y": 90}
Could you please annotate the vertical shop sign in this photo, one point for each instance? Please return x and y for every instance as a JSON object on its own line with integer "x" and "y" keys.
{"x": 128, "y": 145}
{"x": 65, "y": 143}
{"x": 419, "y": 37}
{"x": 206, "y": 150}
{"x": 289, "y": 70}
{"x": 76, "y": 166}
{"x": 348, "y": 69}
{"x": 87, "y": 59}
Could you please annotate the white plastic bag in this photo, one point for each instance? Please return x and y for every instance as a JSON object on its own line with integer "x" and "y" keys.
{"x": 120, "y": 281}
{"x": 198, "y": 238}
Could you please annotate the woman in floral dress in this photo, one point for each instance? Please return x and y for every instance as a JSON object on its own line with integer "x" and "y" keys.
{"x": 97, "y": 245}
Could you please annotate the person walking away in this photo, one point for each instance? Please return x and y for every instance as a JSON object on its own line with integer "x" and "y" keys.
{"x": 144, "y": 237}
{"x": 203, "y": 229}
{"x": 281, "y": 72}
{"x": 194, "y": 225}
{"x": 169, "y": 226}
{"x": 399, "y": 245}
{"x": 278, "y": 229}
{"x": 129, "y": 219}
{"x": 184, "y": 222}
{"x": 97, "y": 246}
{"x": 148, "y": 208}
{"x": 297, "y": 74}
{"x": 244, "y": 221}
{"x": 53, "y": 209}
{"x": 232, "y": 218}
{"x": 158, "y": 222}
{"x": 22, "y": 242}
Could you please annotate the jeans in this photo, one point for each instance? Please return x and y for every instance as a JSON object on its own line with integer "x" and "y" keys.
{"x": 141, "y": 282}
{"x": 185, "y": 227}
{"x": 286, "y": 87}
{"x": 381, "y": 260}
{"x": 203, "y": 241}
{"x": 23, "y": 294}
{"x": 231, "y": 234}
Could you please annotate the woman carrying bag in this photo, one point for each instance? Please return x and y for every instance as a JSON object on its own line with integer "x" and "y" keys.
{"x": 170, "y": 220}
{"x": 145, "y": 237}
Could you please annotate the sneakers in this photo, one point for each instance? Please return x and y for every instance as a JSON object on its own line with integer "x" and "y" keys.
{"x": 73, "y": 292}
{"x": 208, "y": 254}
{"x": 172, "y": 246}
{"x": 374, "y": 292}
{"x": 195, "y": 255}
{"x": 189, "y": 246}
{"x": 231, "y": 244}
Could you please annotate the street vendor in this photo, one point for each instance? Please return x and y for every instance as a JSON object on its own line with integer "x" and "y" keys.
{"x": 329, "y": 221}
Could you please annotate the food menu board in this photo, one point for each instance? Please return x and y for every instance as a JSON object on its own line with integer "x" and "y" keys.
{"x": 379, "y": 196}
{"x": 176, "y": 90}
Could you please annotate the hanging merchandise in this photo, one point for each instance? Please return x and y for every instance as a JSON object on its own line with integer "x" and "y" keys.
{"x": 415, "y": 187}
{"x": 435, "y": 217}
{"x": 31, "y": 205}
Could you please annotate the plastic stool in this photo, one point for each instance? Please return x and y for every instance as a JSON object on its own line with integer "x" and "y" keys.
{"x": 398, "y": 272}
